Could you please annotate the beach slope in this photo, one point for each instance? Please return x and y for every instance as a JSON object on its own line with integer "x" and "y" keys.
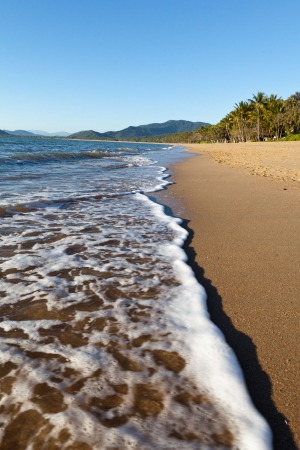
{"x": 241, "y": 203}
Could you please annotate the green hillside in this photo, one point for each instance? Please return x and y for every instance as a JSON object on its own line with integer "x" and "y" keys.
{"x": 89, "y": 134}
{"x": 152, "y": 130}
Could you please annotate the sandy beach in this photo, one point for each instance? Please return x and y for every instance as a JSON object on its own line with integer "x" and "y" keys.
{"x": 241, "y": 204}
{"x": 99, "y": 349}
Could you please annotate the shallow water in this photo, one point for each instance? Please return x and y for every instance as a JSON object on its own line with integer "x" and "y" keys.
{"x": 105, "y": 338}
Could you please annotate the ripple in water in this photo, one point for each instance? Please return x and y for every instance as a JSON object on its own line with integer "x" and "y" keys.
{"x": 97, "y": 331}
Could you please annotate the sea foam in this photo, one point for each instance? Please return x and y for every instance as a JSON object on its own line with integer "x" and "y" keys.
{"x": 106, "y": 339}
{"x": 211, "y": 361}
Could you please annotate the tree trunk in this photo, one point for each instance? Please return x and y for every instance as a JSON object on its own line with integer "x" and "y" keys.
{"x": 258, "y": 126}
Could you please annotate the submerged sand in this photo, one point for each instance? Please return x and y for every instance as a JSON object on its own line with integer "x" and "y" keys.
{"x": 245, "y": 242}
{"x": 92, "y": 355}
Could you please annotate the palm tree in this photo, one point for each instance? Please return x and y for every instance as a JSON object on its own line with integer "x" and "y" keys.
{"x": 258, "y": 103}
{"x": 292, "y": 113}
{"x": 240, "y": 115}
{"x": 226, "y": 126}
{"x": 275, "y": 110}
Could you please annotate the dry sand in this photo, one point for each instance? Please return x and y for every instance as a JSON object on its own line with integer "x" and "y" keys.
{"x": 280, "y": 160}
{"x": 245, "y": 250}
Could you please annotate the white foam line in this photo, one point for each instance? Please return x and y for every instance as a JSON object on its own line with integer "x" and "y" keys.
{"x": 162, "y": 180}
{"x": 211, "y": 361}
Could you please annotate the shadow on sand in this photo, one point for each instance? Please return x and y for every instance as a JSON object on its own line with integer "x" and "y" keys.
{"x": 258, "y": 382}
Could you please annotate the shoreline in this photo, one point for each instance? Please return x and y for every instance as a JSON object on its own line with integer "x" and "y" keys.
{"x": 86, "y": 331}
{"x": 243, "y": 236}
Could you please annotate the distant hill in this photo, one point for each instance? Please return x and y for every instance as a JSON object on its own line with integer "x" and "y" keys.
{"x": 45, "y": 133}
{"x": 88, "y": 134}
{"x": 36, "y": 133}
{"x": 4, "y": 134}
{"x": 150, "y": 130}
{"x": 20, "y": 133}
{"x": 155, "y": 129}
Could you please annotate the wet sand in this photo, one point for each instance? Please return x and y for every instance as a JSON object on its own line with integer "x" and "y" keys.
{"x": 241, "y": 203}
{"x": 89, "y": 359}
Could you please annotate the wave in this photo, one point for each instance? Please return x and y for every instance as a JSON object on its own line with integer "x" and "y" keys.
{"x": 21, "y": 208}
{"x": 45, "y": 157}
{"x": 25, "y": 207}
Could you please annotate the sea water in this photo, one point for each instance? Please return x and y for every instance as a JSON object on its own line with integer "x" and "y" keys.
{"x": 106, "y": 342}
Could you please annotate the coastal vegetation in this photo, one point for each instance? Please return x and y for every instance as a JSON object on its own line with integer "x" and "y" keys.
{"x": 260, "y": 118}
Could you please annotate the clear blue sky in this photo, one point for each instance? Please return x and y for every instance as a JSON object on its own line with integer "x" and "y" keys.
{"x": 106, "y": 64}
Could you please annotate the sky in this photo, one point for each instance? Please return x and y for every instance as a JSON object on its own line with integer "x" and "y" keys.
{"x": 71, "y": 65}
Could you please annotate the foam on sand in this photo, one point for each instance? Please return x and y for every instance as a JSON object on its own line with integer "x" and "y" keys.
{"x": 105, "y": 337}
{"x": 211, "y": 362}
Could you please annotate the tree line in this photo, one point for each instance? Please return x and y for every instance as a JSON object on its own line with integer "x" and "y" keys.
{"x": 260, "y": 118}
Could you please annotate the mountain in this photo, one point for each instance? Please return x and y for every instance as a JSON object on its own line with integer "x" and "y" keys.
{"x": 20, "y": 133}
{"x": 37, "y": 133}
{"x": 152, "y": 129}
{"x": 45, "y": 133}
{"x": 89, "y": 134}
{"x": 4, "y": 134}
{"x": 155, "y": 129}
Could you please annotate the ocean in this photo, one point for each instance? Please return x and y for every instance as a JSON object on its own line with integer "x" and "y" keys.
{"x": 106, "y": 342}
